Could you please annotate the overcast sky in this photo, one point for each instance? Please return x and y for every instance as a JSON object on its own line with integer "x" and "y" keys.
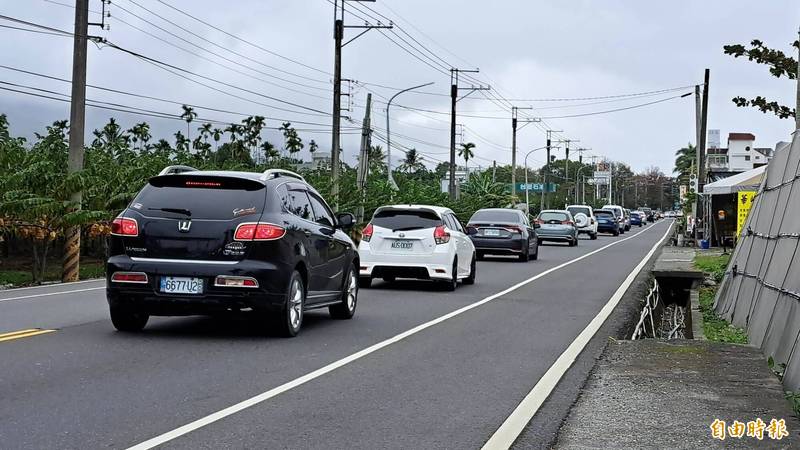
{"x": 525, "y": 49}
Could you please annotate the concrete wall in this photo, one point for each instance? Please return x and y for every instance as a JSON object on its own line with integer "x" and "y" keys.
{"x": 761, "y": 290}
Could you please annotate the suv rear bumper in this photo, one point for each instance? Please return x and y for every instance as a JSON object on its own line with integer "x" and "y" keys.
{"x": 268, "y": 296}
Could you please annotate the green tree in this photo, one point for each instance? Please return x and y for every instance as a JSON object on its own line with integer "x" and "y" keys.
{"x": 188, "y": 115}
{"x": 685, "y": 159}
{"x": 466, "y": 152}
{"x": 293, "y": 142}
{"x": 779, "y": 65}
{"x": 412, "y": 162}
{"x": 140, "y": 133}
{"x": 312, "y": 146}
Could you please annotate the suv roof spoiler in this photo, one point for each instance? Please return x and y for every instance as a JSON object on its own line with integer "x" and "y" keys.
{"x": 173, "y": 170}
{"x": 275, "y": 173}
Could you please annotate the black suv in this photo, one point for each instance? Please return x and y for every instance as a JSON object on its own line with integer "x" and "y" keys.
{"x": 208, "y": 242}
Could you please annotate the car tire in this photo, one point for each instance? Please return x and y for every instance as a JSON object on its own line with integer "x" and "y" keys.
{"x": 616, "y": 233}
{"x": 525, "y": 255}
{"x": 346, "y": 309}
{"x": 364, "y": 282}
{"x": 128, "y": 320}
{"x": 593, "y": 236}
{"x": 451, "y": 284}
{"x": 473, "y": 272}
{"x": 290, "y": 318}
{"x": 535, "y": 255}
{"x": 640, "y": 225}
{"x": 575, "y": 242}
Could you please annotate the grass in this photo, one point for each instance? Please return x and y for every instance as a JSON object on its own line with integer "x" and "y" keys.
{"x": 19, "y": 277}
{"x": 716, "y": 328}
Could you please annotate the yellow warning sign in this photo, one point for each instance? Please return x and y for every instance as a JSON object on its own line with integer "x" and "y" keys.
{"x": 743, "y": 205}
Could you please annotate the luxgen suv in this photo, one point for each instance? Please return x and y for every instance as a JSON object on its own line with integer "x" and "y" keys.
{"x": 416, "y": 241}
{"x": 197, "y": 242}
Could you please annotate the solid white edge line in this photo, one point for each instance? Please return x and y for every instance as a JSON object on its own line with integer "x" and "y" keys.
{"x": 48, "y": 294}
{"x": 512, "y": 427}
{"x": 252, "y": 401}
{"x": 52, "y": 285}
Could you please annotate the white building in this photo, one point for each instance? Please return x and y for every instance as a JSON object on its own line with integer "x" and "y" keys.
{"x": 740, "y": 155}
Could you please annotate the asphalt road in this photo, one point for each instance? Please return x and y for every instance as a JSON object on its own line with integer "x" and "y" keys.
{"x": 449, "y": 383}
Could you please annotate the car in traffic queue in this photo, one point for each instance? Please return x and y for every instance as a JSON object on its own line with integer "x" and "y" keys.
{"x": 503, "y": 231}
{"x": 619, "y": 213}
{"x": 208, "y": 242}
{"x": 606, "y": 221}
{"x": 627, "y": 215}
{"x": 636, "y": 218}
{"x": 557, "y": 225}
{"x": 648, "y": 214}
{"x": 584, "y": 219}
{"x": 416, "y": 241}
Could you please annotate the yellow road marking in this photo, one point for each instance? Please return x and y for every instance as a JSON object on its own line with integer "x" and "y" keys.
{"x": 23, "y": 334}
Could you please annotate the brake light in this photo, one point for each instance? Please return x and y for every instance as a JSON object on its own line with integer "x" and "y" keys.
{"x": 258, "y": 232}
{"x": 123, "y": 226}
{"x": 514, "y": 229}
{"x": 567, "y": 222}
{"x": 229, "y": 281}
{"x": 366, "y": 234}
{"x": 129, "y": 277}
{"x": 440, "y": 235}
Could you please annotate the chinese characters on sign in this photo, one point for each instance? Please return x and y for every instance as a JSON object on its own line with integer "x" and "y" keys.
{"x": 753, "y": 429}
{"x": 743, "y": 205}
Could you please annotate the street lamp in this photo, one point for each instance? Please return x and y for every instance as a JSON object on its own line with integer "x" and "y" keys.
{"x": 527, "y": 201}
{"x": 388, "y": 138}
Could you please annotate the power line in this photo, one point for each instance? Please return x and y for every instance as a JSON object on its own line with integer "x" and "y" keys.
{"x": 617, "y": 109}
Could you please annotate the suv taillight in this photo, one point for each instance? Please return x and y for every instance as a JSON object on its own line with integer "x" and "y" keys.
{"x": 440, "y": 235}
{"x": 123, "y": 226}
{"x": 258, "y": 232}
{"x": 366, "y": 233}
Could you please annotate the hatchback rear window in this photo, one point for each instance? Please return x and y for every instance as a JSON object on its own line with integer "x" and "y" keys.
{"x": 496, "y": 216}
{"x": 406, "y": 219}
{"x": 196, "y": 197}
{"x": 545, "y": 216}
{"x": 599, "y": 213}
{"x": 577, "y": 210}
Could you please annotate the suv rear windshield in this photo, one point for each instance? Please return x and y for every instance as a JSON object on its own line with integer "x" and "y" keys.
{"x": 577, "y": 209}
{"x": 219, "y": 198}
{"x": 496, "y": 216}
{"x": 545, "y": 216}
{"x": 406, "y": 219}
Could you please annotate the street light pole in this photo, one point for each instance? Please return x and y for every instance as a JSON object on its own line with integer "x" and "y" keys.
{"x": 388, "y": 137}
{"x": 527, "y": 198}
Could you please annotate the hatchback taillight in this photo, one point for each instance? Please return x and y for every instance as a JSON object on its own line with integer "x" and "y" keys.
{"x": 124, "y": 226}
{"x": 440, "y": 235}
{"x": 366, "y": 234}
{"x": 567, "y": 222}
{"x": 258, "y": 232}
{"x": 129, "y": 277}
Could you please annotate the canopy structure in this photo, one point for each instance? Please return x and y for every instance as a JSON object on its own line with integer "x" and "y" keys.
{"x": 745, "y": 181}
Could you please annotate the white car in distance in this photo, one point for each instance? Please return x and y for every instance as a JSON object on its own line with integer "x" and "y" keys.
{"x": 416, "y": 241}
{"x": 585, "y": 220}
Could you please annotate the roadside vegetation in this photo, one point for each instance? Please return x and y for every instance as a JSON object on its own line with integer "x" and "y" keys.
{"x": 716, "y": 328}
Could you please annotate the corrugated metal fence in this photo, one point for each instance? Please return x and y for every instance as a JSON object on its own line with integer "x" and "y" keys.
{"x": 761, "y": 289}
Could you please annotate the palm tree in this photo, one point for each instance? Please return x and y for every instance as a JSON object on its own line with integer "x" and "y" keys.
{"x": 376, "y": 159}
{"x": 216, "y": 134}
{"x": 293, "y": 142}
{"x": 270, "y": 152}
{"x": 684, "y": 162}
{"x": 188, "y": 115}
{"x": 312, "y": 146}
{"x": 466, "y": 152}
{"x": 412, "y": 162}
{"x": 140, "y": 133}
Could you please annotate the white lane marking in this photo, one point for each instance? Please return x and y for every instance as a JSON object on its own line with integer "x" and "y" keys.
{"x": 51, "y": 293}
{"x": 512, "y": 427}
{"x": 53, "y": 285}
{"x": 264, "y": 396}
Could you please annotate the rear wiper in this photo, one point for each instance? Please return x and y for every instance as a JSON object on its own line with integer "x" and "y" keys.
{"x": 183, "y": 211}
{"x": 408, "y": 228}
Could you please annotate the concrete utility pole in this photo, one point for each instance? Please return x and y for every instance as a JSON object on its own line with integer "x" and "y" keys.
{"x": 338, "y": 36}
{"x": 514, "y": 121}
{"x": 546, "y": 167}
{"x": 77, "y": 117}
{"x": 701, "y": 149}
{"x": 797, "y": 76}
{"x": 453, "y": 100}
{"x": 392, "y": 183}
{"x": 363, "y": 159}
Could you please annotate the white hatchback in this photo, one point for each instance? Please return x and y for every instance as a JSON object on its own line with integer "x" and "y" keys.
{"x": 416, "y": 241}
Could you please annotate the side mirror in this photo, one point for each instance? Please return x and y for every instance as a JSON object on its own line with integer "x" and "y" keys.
{"x": 345, "y": 221}
{"x": 472, "y": 231}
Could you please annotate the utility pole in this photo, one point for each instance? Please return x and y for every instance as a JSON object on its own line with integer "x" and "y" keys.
{"x": 547, "y": 167}
{"x": 77, "y": 118}
{"x": 494, "y": 171}
{"x": 514, "y": 121}
{"x": 338, "y": 36}
{"x": 701, "y": 173}
{"x": 797, "y": 76}
{"x": 363, "y": 160}
{"x": 453, "y": 100}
